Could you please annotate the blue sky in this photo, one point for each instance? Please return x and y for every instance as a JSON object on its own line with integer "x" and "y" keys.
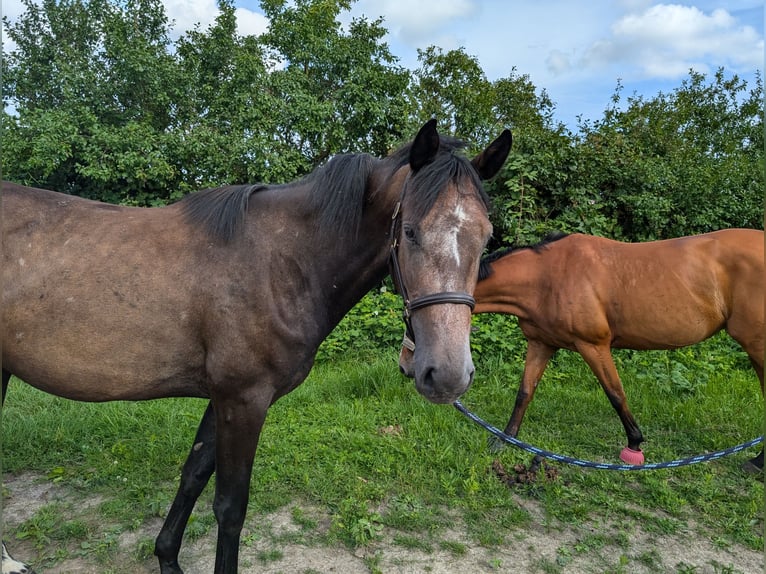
{"x": 576, "y": 50}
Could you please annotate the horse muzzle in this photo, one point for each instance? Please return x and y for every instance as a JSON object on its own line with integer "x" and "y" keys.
{"x": 443, "y": 385}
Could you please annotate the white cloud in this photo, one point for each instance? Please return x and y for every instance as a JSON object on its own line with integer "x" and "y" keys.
{"x": 185, "y": 14}
{"x": 666, "y": 40}
{"x": 412, "y": 21}
{"x": 251, "y": 23}
{"x": 558, "y": 62}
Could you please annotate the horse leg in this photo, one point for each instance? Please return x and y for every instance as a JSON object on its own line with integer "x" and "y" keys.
{"x": 755, "y": 464}
{"x": 538, "y": 355}
{"x": 750, "y": 336}
{"x": 9, "y": 565}
{"x": 239, "y": 420}
{"x": 599, "y": 359}
{"x": 197, "y": 470}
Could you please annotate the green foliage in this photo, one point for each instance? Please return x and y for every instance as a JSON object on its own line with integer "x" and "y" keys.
{"x": 374, "y": 323}
{"x": 681, "y": 163}
{"x": 92, "y": 83}
{"x": 355, "y": 524}
{"x": 104, "y": 105}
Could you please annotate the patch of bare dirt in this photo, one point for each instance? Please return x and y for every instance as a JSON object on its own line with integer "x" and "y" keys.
{"x": 536, "y": 547}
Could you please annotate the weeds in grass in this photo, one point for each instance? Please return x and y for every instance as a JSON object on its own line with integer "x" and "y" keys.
{"x": 651, "y": 560}
{"x": 456, "y": 548}
{"x": 271, "y": 555}
{"x": 302, "y": 519}
{"x": 413, "y": 543}
{"x": 355, "y": 524}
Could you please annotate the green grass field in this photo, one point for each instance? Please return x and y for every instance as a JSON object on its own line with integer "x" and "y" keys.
{"x": 357, "y": 440}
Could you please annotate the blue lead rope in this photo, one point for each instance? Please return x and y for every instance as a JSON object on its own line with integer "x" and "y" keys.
{"x": 600, "y": 465}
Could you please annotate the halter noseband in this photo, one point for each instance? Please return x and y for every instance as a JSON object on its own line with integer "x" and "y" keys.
{"x": 452, "y": 297}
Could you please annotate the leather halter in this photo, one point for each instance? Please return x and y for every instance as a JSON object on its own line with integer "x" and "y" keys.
{"x": 451, "y": 297}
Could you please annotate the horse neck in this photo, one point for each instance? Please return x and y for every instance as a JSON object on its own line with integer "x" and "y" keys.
{"x": 513, "y": 287}
{"x": 365, "y": 263}
{"x": 352, "y": 264}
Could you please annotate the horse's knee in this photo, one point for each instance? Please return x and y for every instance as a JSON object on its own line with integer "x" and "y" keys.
{"x": 199, "y": 468}
{"x": 230, "y": 515}
{"x": 166, "y": 547}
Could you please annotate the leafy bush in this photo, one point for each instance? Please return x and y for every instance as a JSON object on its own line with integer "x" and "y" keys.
{"x": 374, "y": 323}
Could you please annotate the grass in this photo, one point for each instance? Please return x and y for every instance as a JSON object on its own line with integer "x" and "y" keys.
{"x": 358, "y": 441}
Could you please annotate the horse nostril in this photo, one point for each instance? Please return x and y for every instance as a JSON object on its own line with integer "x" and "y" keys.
{"x": 428, "y": 378}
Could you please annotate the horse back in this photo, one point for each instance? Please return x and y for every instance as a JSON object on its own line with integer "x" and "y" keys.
{"x": 663, "y": 294}
{"x": 676, "y": 292}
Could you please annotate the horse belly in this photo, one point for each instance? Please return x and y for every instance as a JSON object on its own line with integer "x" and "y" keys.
{"x": 85, "y": 350}
{"x": 104, "y": 380}
{"x": 661, "y": 330}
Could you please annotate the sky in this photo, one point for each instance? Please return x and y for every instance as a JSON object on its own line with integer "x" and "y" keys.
{"x": 576, "y": 50}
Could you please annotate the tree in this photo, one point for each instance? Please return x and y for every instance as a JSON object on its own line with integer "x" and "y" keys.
{"x": 92, "y": 83}
{"x": 452, "y": 87}
{"x": 680, "y": 163}
{"x": 335, "y": 90}
{"x": 225, "y": 115}
{"x": 107, "y": 108}
{"x": 103, "y": 105}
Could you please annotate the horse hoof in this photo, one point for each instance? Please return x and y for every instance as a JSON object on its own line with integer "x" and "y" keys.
{"x": 751, "y": 468}
{"x": 495, "y": 445}
{"x": 630, "y": 456}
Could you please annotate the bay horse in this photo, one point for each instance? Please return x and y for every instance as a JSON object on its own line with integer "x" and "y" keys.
{"x": 227, "y": 294}
{"x": 590, "y": 294}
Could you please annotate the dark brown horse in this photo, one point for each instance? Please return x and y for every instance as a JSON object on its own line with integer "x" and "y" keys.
{"x": 228, "y": 293}
{"x": 590, "y": 294}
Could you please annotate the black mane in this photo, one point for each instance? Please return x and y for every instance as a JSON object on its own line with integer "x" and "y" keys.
{"x": 485, "y": 269}
{"x": 338, "y": 190}
{"x": 220, "y": 210}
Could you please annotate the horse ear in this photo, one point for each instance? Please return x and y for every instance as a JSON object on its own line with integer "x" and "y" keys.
{"x": 489, "y": 162}
{"x": 425, "y": 146}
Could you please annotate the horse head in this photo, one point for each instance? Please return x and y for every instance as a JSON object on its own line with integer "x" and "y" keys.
{"x": 438, "y": 234}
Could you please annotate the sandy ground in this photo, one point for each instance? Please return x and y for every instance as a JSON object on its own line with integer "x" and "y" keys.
{"x": 534, "y": 548}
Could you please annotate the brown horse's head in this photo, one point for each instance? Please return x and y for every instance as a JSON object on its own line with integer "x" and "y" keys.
{"x": 438, "y": 238}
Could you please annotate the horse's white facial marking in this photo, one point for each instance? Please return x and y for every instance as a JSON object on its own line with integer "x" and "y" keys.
{"x": 450, "y": 244}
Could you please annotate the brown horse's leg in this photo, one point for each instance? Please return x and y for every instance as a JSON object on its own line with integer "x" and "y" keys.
{"x": 197, "y": 470}
{"x": 755, "y": 464}
{"x": 538, "y": 355}
{"x": 599, "y": 359}
{"x": 238, "y": 427}
{"x": 745, "y": 326}
{"x": 749, "y": 334}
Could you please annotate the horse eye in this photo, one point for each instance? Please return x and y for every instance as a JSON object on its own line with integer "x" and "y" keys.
{"x": 410, "y": 234}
